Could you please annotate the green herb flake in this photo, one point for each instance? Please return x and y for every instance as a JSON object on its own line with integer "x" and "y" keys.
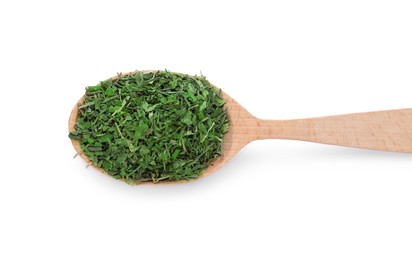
{"x": 152, "y": 126}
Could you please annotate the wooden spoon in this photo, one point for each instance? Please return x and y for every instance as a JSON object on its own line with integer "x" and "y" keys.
{"x": 389, "y": 130}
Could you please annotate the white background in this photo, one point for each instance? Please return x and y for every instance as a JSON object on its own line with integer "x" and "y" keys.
{"x": 277, "y": 199}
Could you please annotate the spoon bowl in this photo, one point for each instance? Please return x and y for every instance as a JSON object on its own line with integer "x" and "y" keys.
{"x": 389, "y": 130}
{"x": 233, "y": 141}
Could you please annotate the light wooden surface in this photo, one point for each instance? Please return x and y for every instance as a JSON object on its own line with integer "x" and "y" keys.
{"x": 383, "y": 130}
{"x": 389, "y": 130}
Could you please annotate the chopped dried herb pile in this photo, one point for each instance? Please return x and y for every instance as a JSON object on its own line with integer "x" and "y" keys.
{"x": 152, "y": 126}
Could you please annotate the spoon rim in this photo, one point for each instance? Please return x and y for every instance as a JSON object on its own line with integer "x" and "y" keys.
{"x": 217, "y": 163}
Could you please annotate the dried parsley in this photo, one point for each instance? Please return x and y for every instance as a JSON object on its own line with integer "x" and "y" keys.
{"x": 152, "y": 126}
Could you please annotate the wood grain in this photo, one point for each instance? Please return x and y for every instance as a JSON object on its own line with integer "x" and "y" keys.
{"x": 383, "y": 130}
{"x": 389, "y": 130}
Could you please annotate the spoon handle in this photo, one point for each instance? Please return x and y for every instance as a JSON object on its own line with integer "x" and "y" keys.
{"x": 389, "y": 130}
